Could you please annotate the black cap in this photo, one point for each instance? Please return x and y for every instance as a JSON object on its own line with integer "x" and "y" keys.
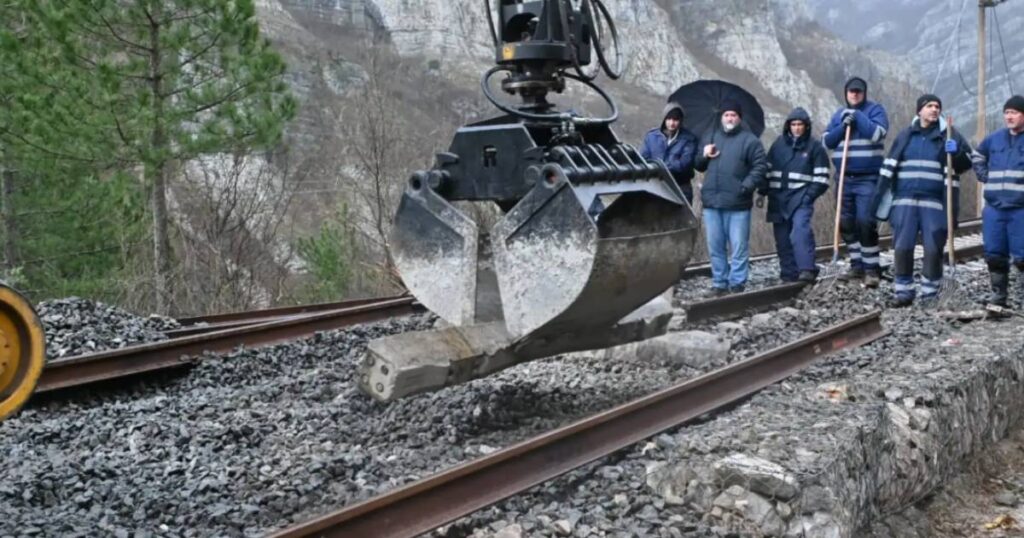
{"x": 927, "y": 98}
{"x": 733, "y": 105}
{"x": 1015, "y": 103}
{"x": 857, "y": 84}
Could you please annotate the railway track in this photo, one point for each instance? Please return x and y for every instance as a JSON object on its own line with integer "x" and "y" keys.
{"x": 446, "y": 496}
{"x": 217, "y": 322}
{"x": 262, "y": 329}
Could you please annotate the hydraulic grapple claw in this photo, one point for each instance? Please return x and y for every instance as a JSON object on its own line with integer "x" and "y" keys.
{"x": 538, "y": 232}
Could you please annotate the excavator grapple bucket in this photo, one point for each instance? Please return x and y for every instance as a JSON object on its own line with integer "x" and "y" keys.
{"x": 537, "y": 232}
{"x": 562, "y": 268}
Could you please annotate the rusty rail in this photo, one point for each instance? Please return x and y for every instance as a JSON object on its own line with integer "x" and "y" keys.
{"x": 439, "y": 499}
{"x": 180, "y": 352}
{"x": 216, "y": 322}
{"x": 740, "y": 303}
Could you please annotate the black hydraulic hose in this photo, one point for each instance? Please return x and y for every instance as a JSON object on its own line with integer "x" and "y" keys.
{"x": 616, "y": 73}
{"x": 490, "y": 22}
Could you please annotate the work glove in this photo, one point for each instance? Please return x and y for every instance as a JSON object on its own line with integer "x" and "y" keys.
{"x": 951, "y": 146}
{"x": 849, "y": 117}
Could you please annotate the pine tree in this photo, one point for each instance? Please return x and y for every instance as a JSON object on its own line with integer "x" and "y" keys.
{"x": 142, "y": 84}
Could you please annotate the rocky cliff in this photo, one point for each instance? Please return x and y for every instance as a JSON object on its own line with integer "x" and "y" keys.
{"x": 939, "y": 40}
{"x": 771, "y": 47}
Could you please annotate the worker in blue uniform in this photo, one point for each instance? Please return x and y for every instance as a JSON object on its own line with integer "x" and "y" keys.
{"x": 797, "y": 176}
{"x": 869, "y": 124}
{"x": 915, "y": 172}
{"x": 999, "y": 164}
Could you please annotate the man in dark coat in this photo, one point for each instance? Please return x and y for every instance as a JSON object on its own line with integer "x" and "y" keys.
{"x": 673, "y": 145}
{"x": 797, "y": 176}
{"x": 734, "y": 166}
{"x": 999, "y": 163}
{"x": 915, "y": 173}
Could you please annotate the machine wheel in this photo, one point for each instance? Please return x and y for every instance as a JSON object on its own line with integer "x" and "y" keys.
{"x": 22, "y": 351}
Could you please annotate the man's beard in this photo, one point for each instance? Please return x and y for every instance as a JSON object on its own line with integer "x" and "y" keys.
{"x": 729, "y": 126}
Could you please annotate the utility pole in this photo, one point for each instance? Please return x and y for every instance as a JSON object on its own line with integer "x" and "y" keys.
{"x": 982, "y": 113}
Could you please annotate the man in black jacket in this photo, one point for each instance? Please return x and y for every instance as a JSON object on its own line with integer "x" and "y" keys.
{"x": 797, "y": 175}
{"x": 734, "y": 166}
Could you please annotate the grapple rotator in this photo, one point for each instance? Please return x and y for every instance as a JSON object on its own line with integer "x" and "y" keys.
{"x": 538, "y": 232}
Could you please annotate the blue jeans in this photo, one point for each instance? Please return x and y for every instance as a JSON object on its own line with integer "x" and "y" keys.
{"x": 732, "y": 227}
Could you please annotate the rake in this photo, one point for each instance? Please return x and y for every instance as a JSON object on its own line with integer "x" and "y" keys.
{"x": 951, "y": 292}
{"x": 830, "y": 272}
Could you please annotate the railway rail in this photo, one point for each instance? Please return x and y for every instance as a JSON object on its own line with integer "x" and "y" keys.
{"x": 217, "y": 322}
{"x": 444, "y": 497}
{"x": 180, "y": 352}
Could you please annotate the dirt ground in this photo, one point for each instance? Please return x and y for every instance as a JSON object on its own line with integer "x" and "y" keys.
{"x": 986, "y": 501}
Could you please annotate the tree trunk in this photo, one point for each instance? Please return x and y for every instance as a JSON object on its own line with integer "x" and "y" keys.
{"x": 10, "y": 225}
{"x": 161, "y": 238}
{"x": 158, "y": 175}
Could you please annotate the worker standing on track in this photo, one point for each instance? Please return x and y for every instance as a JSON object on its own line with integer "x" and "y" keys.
{"x": 999, "y": 163}
{"x": 869, "y": 124}
{"x": 915, "y": 173}
{"x": 734, "y": 166}
{"x": 797, "y": 176}
{"x": 675, "y": 146}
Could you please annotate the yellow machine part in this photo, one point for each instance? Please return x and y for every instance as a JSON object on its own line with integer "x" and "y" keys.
{"x": 22, "y": 351}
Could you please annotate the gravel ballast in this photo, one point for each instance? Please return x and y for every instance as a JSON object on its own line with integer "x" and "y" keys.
{"x": 258, "y": 439}
{"x": 74, "y": 326}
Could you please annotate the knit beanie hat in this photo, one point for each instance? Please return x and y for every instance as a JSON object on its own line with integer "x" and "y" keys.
{"x": 733, "y": 105}
{"x": 927, "y": 98}
{"x": 1015, "y": 103}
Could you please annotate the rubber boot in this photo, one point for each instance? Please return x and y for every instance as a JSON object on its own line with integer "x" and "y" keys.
{"x": 872, "y": 278}
{"x": 1000, "y": 284}
{"x": 999, "y": 276}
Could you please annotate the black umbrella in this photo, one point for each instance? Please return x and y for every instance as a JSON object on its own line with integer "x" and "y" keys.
{"x": 702, "y": 104}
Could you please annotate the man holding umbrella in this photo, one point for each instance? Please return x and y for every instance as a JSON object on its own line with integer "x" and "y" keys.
{"x": 866, "y": 123}
{"x": 734, "y": 166}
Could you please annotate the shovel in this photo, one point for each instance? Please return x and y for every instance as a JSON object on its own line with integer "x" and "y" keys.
{"x": 950, "y": 291}
{"x": 831, "y": 271}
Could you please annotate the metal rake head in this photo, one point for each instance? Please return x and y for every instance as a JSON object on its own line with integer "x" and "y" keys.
{"x": 827, "y": 278}
{"x": 952, "y": 294}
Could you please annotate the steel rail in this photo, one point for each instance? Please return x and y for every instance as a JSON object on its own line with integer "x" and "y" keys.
{"x": 180, "y": 352}
{"x": 279, "y": 312}
{"x": 740, "y": 303}
{"x": 439, "y": 499}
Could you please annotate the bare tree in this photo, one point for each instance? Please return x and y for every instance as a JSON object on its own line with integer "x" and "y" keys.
{"x": 234, "y": 255}
{"x": 381, "y": 141}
